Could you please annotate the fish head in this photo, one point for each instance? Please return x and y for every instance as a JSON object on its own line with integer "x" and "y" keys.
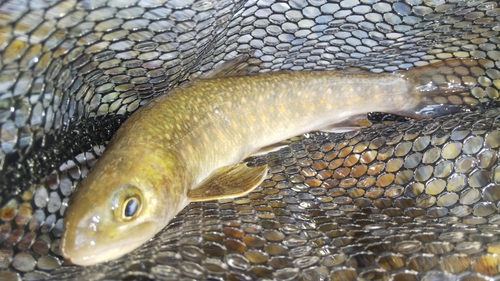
{"x": 120, "y": 205}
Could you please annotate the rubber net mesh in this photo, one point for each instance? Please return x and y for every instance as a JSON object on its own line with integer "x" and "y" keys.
{"x": 413, "y": 200}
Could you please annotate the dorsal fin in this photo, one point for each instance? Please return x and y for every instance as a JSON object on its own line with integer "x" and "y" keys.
{"x": 241, "y": 65}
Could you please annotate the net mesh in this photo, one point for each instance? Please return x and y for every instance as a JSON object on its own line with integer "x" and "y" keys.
{"x": 401, "y": 201}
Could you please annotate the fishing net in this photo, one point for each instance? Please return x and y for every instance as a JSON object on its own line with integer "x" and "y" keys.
{"x": 407, "y": 200}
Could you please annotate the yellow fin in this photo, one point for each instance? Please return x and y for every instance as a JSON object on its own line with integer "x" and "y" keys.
{"x": 229, "y": 182}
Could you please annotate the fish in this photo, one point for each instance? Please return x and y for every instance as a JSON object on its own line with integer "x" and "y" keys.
{"x": 187, "y": 145}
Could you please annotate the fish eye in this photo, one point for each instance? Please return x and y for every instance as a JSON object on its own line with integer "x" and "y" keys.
{"x": 126, "y": 204}
{"x": 131, "y": 207}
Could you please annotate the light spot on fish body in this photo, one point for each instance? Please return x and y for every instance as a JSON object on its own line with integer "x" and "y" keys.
{"x": 263, "y": 117}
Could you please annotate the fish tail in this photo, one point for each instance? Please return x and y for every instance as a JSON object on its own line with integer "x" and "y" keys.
{"x": 443, "y": 87}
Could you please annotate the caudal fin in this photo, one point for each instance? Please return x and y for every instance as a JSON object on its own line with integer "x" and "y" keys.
{"x": 444, "y": 87}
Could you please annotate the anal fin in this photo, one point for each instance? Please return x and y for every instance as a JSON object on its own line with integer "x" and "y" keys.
{"x": 346, "y": 125}
{"x": 229, "y": 182}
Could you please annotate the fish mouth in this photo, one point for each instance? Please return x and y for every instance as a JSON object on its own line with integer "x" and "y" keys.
{"x": 85, "y": 248}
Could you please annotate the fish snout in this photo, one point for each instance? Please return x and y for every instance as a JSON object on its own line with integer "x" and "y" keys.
{"x": 90, "y": 242}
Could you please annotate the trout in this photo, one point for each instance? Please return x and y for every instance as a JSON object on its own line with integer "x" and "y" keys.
{"x": 187, "y": 145}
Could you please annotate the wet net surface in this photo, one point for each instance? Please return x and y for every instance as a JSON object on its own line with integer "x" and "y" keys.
{"x": 411, "y": 200}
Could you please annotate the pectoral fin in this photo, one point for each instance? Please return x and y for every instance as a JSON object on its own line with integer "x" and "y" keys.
{"x": 270, "y": 148}
{"x": 229, "y": 182}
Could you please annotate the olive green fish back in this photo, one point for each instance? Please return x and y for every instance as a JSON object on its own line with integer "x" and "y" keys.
{"x": 402, "y": 201}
